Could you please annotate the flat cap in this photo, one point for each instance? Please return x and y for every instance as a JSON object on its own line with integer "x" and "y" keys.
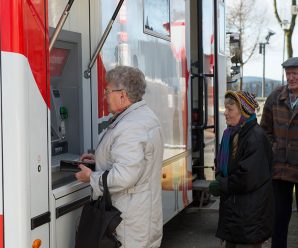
{"x": 291, "y": 62}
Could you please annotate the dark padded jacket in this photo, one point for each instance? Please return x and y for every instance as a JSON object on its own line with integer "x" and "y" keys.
{"x": 246, "y": 203}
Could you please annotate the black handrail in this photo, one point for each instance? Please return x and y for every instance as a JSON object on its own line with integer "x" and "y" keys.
{"x": 205, "y": 88}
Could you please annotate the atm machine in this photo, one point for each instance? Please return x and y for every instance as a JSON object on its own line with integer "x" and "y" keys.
{"x": 68, "y": 195}
{"x": 66, "y": 103}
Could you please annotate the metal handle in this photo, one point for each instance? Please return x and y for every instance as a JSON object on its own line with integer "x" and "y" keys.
{"x": 206, "y": 101}
{"x": 87, "y": 73}
{"x": 205, "y": 86}
{"x": 60, "y": 24}
{"x": 60, "y": 211}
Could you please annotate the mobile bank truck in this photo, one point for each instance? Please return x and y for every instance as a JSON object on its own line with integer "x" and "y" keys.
{"x": 54, "y": 56}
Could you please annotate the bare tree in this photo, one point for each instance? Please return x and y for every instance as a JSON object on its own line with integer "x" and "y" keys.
{"x": 287, "y": 31}
{"x": 244, "y": 18}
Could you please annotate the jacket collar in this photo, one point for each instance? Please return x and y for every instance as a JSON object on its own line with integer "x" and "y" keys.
{"x": 131, "y": 108}
{"x": 247, "y": 127}
{"x": 284, "y": 94}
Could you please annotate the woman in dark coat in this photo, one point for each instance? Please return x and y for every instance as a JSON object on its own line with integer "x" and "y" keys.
{"x": 243, "y": 178}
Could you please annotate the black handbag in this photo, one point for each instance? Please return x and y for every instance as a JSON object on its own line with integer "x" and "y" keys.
{"x": 98, "y": 222}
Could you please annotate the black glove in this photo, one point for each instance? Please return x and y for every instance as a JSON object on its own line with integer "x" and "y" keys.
{"x": 214, "y": 188}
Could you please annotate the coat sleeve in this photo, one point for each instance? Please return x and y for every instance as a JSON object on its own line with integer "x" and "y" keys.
{"x": 253, "y": 170}
{"x": 267, "y": 118}
{"x": 127, "y": 155}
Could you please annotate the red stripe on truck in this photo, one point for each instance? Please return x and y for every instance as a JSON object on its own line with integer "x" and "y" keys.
{"x": 24, "y": 30}
{"x": 101, "y": 72}
{"x": 1, "y": 232}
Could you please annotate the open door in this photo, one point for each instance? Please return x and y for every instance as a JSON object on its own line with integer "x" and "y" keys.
{"x": 208, "y": 76}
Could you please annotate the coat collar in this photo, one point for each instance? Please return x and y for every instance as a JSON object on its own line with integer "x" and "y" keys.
{"x": 127, "y": 111}
{"x": 247, "y": 127}
{"x": 284, "y": 94}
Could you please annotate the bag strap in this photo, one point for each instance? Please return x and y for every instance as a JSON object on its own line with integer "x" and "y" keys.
{"x": 106, "y": 193}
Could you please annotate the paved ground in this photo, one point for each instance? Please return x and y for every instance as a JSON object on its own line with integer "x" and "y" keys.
{"x": 196, "y": 230}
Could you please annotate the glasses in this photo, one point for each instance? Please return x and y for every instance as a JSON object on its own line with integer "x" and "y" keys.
{"x": 108, "y": 91}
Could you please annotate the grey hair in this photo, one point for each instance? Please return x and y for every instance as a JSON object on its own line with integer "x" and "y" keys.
{"x": 132, "y": 80}
{"x": 231, "y": 101}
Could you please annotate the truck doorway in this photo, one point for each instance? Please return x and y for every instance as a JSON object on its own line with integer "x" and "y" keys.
{"x": 208, "y": 84}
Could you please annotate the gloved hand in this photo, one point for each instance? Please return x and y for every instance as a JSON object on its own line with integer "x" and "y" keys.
{"x": 214, "y": 188}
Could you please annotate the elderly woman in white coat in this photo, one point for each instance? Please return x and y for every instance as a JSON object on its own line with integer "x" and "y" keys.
{"x": 131, "y": 148}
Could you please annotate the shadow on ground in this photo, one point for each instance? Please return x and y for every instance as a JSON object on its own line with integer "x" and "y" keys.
{"x": 192, "y": 230}
{"x": 197, "y": 229}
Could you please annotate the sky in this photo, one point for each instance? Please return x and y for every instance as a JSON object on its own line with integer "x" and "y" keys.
{"x": 274, "y": 50}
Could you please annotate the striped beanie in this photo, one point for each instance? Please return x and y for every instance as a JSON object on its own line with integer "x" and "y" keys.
{"x": 245, "y": 100}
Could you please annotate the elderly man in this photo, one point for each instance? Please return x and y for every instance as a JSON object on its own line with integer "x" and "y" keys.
{"x": 280, "y": 121}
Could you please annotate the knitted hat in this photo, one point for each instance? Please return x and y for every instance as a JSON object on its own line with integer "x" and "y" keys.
{"x": 245, "y": 100}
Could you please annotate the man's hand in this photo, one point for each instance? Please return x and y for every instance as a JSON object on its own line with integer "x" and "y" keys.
{"x": 84, "y": 174}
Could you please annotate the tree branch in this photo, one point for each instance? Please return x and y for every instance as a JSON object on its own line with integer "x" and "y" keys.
{"x": 276, "y": 12}
{"x": 252, "y": 52}
{"x": 293, "y": 19}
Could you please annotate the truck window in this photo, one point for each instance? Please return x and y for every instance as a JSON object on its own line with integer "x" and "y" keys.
{"x": 157, "y": 18}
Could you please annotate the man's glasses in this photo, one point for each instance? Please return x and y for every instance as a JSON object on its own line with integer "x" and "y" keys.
{"x": 108, "y": 91}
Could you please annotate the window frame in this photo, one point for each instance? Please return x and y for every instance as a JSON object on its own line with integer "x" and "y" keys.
{"x": 156, "y": 33}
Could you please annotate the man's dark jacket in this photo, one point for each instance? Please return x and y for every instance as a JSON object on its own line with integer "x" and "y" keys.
{"x": 246, "y": 203}
{"x": 280, "y": 123}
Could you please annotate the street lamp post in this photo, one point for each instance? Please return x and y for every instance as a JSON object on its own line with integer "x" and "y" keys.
{"x": 264, "y": 63}
{"x": 285, "y": 27}
{"x": 262, "y": 50}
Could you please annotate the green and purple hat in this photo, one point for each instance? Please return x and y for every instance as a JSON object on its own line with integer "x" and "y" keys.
{"x": 245, "y": 100}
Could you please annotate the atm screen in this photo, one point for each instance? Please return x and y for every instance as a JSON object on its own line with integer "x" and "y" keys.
{"x": 58, "y": 59}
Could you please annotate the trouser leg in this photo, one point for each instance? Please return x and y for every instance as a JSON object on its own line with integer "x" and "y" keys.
{"x": 283, "y": 199}
{"x": 231, "y": 245}
{"x": 296, "y": 195}
{"x": 249, "y": 246}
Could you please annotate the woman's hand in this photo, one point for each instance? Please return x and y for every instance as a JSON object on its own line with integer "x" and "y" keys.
{"x": 84, "y": 174}
{"x": 88, "y": 158}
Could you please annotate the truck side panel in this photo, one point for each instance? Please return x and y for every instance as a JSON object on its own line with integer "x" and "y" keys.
{"x": 25, "y": 102}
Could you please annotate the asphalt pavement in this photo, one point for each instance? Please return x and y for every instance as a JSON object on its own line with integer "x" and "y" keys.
{"x": 194, "y": 228}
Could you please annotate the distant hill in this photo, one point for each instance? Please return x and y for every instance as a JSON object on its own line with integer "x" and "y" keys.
{"x": 254, "y": 84}
{"x": 252, "y": 79}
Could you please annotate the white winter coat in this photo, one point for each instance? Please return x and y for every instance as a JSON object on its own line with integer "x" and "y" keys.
{"x": 131, "y": 148}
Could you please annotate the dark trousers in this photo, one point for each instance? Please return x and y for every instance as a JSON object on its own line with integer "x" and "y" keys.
{"x": 231, "y": 245}
{"x": 283, "y": 198}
